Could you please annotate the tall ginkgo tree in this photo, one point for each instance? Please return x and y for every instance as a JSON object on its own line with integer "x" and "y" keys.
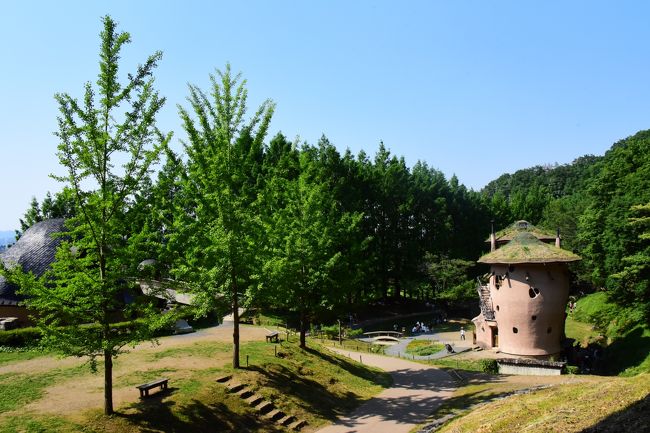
{"x": 217, "y": 228}
{"x": 108, "y": 143}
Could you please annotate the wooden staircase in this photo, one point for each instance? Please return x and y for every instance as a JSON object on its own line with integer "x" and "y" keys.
{"x": 485, "y": 301}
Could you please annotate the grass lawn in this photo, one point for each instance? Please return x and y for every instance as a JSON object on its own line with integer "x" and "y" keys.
{"x": 605, "y": 405}
{"x": 10, "y": 354}
{"x": 582, "y": 333}
{"x": 47, "y": 394}
{"x": 424, "y": 347}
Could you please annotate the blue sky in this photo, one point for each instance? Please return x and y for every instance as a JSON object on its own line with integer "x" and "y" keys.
{"x": 474, "y": 88}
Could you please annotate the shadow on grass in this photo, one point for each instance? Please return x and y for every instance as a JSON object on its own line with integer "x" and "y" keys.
{"x": 156, "y": 414}
{"x": 471, "y": 399}
{"x": 628, "y": 351}
{"x": 381, "y": 379}
{"x": 310, "y": 394}
{"x": 634, "y": 418}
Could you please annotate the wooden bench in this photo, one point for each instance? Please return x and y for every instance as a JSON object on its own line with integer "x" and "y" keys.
{"x": 273, "y": 337}
{"x": 145, "y": 387}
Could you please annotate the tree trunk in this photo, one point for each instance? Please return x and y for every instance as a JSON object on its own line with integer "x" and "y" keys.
{"x": 108, "y": 383}
{"x": 235, "y": 329}
{"x": 303, "y": 330}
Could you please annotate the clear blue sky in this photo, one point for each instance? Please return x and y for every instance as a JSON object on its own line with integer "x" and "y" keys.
{"x": 474, "y": 88}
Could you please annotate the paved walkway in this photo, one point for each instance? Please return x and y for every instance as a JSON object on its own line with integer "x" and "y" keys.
{"x": 416, "y": 391}
{"x": 459, "y": 346}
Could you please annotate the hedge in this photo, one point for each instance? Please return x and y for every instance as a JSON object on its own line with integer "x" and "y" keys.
{"x": 20, "y": 337}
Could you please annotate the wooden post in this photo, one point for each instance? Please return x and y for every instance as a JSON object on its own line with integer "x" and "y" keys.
{"x": 246, "y": 360}
{"x": 340, "y": 338}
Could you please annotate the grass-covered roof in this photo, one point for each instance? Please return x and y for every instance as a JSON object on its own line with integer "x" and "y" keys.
{"x": 507, "y": 234}
{"x": 525, "y": 247}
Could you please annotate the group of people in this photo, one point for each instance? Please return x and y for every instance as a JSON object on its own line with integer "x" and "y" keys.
{"x": 420, "y": 327}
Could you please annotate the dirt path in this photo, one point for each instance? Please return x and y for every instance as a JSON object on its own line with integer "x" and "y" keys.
{"x": 416, "y": 391}
{"x": 85, "y": 390}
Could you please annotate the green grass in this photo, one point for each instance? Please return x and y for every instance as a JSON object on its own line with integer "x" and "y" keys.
{"x": 351, "y": 344}
{"x": 312, "y": 384}
{"x": 458, "y": 364}
{"x": 629, "y": 354}
{"x": 582, "y": 333}
{"x": 38, "y": 424}
{"x": 627, "y": 348}
{"x": 24, "y": 388}
{"x": 10, "y": 354}
{"x": 202, "y": 349}
{"x": 605, "y": 405}
{"x": 424, "y": 347}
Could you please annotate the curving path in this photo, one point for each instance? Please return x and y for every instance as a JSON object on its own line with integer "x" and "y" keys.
{"x": 416, "y": 391}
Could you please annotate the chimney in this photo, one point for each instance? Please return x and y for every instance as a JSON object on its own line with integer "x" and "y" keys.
{"x": 493, "y": 238}
{"x": 557, "y": 238}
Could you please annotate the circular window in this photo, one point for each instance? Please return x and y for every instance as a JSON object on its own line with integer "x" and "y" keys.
{"x": 534, "y": 317}
{"x": 515, "y": 330}
{"x": 497, "y": 308}
{"x": 533, "y": 292}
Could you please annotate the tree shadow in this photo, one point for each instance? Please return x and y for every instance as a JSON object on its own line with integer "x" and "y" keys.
{"x": 311, "y": 395}
{"x": 634, "y": 418}
{"x": 628, "y": 351}
{"x": 156, "y": 414}
{"x": 353, "y": 368}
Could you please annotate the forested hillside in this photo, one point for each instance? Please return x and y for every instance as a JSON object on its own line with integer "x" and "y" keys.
{"x": 408, "y": 231}
{"x": 600, "y": 205}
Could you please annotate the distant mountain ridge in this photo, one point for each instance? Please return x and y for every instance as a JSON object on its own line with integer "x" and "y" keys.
{"x": 7, "y": 237}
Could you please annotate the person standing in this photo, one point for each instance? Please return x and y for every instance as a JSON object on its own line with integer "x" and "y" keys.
{"x": 462, "y": 333}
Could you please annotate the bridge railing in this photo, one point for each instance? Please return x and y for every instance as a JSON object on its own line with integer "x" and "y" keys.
{"x": 384, "y": 333}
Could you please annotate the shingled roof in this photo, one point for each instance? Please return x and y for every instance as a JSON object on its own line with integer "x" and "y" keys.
{"x": 525, "y": 247}
{"x": 34, "y": 252}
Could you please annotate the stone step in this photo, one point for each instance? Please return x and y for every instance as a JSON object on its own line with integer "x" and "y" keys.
{"x": 235, "y": 387}
{"x": 265, "y": 406}
{"x": 224, "y": 379}
{"x": 297, "y": 425}
{"x": 244, "y": 393}
{"x": 254, "y": 400}
{"x": 286, "y": 420}
{"x": 275, "y": 414}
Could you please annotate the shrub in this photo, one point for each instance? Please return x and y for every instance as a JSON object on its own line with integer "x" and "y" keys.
{"x": 489, "y": 366}
{"x": 22, "y": 337}
{"x": 572, "y": 369}
{"x": 331, "y": 332}
{"x": 353, "y": 333}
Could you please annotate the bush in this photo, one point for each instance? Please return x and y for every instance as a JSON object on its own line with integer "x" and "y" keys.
{"x": 353, "y": 333}
{"x": 489, "y": 366}
{"x": 22, "y": 337}
{"x": 572, "y": 369}
{"x": 331, "y": 332}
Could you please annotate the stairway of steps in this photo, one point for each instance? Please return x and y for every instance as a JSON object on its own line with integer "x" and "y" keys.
{"x": 264, "y": 407}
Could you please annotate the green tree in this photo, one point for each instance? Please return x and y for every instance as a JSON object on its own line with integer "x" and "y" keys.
{"x": 84, "y": 293}
{"x": 217, "y": 229}
{"x": 449, "y": 277}
{"x": 631, "y": 286}
{"x": 622, "y": 181}
{"x": 305, "y": 229}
